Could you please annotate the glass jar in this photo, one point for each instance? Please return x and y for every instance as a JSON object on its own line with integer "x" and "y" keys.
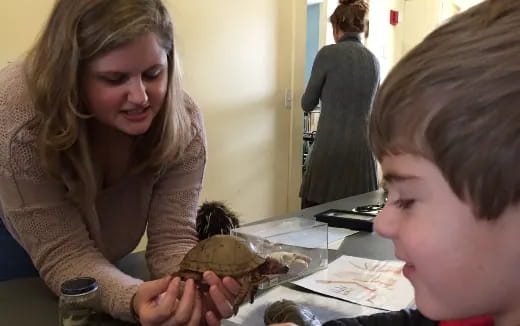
{"x": 77, "y": 298}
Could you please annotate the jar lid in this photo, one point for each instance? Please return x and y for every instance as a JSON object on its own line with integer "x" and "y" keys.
{"x": 80, "y": 285}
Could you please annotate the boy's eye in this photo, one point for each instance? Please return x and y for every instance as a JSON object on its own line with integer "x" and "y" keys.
{"x": 404, "y": 203}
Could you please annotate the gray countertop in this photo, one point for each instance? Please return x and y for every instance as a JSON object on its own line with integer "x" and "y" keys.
{"x": 28, "y": 302}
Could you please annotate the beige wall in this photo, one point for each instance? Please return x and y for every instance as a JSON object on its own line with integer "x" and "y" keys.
{"x": 238, "y": 67}
{"x": 20, "y": 22}
{"x": 420, "y": 17}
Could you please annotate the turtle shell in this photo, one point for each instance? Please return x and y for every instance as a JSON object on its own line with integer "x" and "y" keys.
{"x": 226, "y": 255}
{"x": 285, "y": 311}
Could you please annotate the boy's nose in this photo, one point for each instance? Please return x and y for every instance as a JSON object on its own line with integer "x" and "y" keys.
{"x": 386, "y": 223}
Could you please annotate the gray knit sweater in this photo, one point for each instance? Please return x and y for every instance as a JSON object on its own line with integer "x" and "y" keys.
{"x": 344, "y": 77}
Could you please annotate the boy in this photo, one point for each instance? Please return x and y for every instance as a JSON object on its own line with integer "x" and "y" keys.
{"x": 446, "y": 128}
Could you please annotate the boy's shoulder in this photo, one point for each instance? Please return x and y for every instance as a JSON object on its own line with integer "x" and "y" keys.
{"x": 408, "y": 317}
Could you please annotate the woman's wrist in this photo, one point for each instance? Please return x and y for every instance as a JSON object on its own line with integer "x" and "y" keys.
{"x": 133, "y": 311}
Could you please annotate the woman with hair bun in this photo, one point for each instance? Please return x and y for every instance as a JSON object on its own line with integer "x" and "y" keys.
{"x": 344, "y": 77}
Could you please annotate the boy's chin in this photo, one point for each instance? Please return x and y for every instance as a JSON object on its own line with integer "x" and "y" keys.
{"x": 440, "y": 312}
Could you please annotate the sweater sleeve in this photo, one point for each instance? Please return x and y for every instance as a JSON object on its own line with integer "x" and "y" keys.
{"x": 41, "y": 218}
{"x": 392, "y": 318}
{"x": 171, "y": 223}
{"x": 312, "y": 93}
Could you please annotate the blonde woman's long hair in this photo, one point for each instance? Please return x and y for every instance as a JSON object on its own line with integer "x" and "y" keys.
{"x": 77, "y": 32}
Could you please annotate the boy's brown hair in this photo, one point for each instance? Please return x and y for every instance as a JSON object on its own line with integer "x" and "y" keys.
{"x": 455, "y": 100}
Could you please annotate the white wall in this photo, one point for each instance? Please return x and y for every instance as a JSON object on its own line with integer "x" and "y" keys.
{"x": 417, "y": 18}
{"x": 385, "y": 40}
{"x": 465, "y": 4}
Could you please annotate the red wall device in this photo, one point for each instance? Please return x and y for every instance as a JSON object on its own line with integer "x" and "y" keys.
{"x": 394, "y": 17}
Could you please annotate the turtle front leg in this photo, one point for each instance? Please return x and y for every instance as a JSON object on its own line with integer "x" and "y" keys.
{"x": 244, "y": 290}
{"x": 255, "y": 282}
{"x": 254, "y": 289}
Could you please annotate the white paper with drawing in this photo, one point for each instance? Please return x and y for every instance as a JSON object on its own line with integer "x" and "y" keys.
{"x": 374, "y": 283}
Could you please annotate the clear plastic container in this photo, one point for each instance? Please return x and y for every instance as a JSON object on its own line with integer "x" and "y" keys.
{"x": 77, "y": 298}
{"x": 301, "y": 242}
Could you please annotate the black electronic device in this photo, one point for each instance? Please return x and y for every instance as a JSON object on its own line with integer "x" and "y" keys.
{"x": 360, "y": 218}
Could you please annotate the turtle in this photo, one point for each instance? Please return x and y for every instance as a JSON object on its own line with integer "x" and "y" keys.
{"x": 285, "y": 311}
{"x": 229, "y": 255}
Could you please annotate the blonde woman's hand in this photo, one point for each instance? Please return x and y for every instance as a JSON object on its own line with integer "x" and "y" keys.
{"x": 157, "y": 304}
{"x": 218, "y": 302}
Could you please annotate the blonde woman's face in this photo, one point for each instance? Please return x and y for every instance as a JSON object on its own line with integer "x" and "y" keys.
{"x": 125, "y": 88}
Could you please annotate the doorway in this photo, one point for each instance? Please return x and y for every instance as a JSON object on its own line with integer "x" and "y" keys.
{"x": 312, "y": 46}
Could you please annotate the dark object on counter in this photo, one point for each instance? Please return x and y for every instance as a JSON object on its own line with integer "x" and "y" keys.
{"x": 214, "y": 217}
{"x": 360, "y": 218}
{"x": 347, "y": 219}
{"x": 228, "y": 255}
{"x": 287, "y": 311}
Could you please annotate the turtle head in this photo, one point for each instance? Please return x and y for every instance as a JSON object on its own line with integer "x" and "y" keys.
{"x": 272, "y": 266}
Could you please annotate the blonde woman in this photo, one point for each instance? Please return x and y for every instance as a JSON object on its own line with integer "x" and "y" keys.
{"x": 98, "y": 142}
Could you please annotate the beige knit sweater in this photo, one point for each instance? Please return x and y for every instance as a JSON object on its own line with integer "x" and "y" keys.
{"x": 64, "y": 243}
